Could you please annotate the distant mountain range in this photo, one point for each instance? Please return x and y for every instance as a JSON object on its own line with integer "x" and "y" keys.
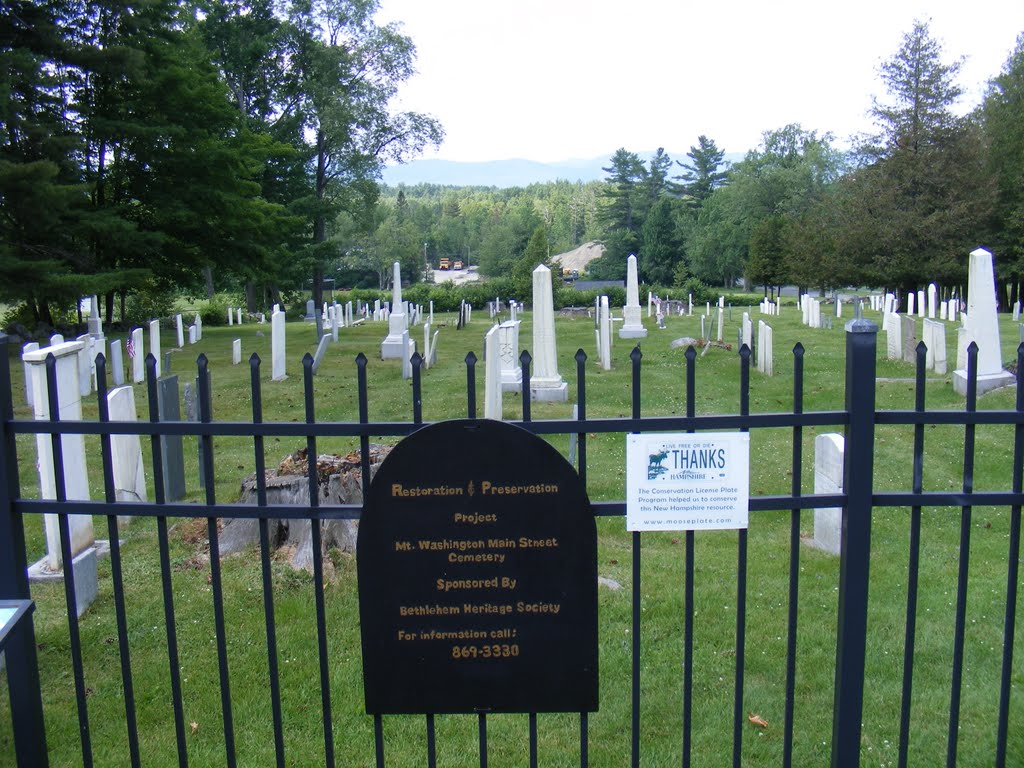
{"x": 509, "y": 173}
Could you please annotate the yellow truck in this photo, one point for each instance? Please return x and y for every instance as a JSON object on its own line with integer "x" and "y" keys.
{"x": 444, "y": 263}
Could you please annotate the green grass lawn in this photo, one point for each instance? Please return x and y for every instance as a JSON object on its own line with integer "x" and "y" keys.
{"x": 662, "y": 580}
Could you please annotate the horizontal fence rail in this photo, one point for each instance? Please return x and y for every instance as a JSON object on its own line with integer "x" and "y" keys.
{"x": 859, "y": 420}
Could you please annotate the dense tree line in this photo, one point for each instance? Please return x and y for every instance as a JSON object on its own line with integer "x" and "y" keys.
{"x": 902, "y": 208}
{"x": 146, "y": 146}
{"x": 237, "y": 144}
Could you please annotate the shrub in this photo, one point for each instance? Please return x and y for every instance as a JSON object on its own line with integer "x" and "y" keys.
{"x": 147, "y": 304}
{"x": 214, "y": 311}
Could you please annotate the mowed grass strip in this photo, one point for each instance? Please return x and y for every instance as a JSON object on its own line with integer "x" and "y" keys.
{"x": 662, "y": 573}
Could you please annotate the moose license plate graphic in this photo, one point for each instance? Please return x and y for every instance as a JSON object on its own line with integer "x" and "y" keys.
{"x": 687, "y": 482}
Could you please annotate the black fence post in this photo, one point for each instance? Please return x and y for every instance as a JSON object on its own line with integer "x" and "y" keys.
{"x": 855, "y": 547}
{"x": 22, "y": 663}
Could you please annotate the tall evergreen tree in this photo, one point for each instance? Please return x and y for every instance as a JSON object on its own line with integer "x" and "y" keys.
{"x": 1003, "y": 118}
{"x": 660, "y": 251}
{"x": 921, "y": 198}
{"x": 346, "y": 72}
{"x": 626, "y": 197}
{"x": 706, "y": 171}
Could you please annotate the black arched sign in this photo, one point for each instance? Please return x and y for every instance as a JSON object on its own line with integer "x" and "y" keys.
{"x": 477, "y": 560}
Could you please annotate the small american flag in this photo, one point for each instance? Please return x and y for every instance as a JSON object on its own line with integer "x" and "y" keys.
{"x": 131, "y": 348}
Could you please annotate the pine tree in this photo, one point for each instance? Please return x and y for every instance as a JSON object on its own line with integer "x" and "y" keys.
{"x": 706, "y": 171}
{"x": 921, "y": 199}
{"x": 1003, "y": 116}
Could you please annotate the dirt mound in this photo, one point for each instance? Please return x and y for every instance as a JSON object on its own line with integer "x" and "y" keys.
{"x": 579, "y": 258}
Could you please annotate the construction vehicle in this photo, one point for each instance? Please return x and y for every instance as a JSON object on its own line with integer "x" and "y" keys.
{"x": 444, "y": 263}
{"x": 457, "y": 265}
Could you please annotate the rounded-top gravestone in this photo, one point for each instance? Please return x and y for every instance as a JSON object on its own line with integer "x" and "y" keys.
{"x": 477, "y": 560}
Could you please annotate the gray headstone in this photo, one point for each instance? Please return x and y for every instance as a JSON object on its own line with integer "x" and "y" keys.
{"x": 321, "y": 350}
{"x": 173, "y": 468}
{"x": 909, "y": 336}
{"x": 310, "y": 309}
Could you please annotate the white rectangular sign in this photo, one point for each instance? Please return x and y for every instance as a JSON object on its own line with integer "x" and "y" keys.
{"x": 686, "y": 482}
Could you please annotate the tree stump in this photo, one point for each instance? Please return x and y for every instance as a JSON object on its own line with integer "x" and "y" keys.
{"x": 339, "y": 481}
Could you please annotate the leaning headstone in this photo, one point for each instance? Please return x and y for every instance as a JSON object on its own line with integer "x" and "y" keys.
{"x": 154, "y": 342}
{"x": 546, "y": 383}
{"x": 321, "y": 350}
{"x": 983, "y": 327}
{"x": 828, "y": 479}
{"x": 172, "y": 449}
{"x": 492, "y": 375}
{"x": 433, "y": 349}
{"x": 31, "y": 346}
{"x": 180, "y": 328}
{"x": 277, "y": 346}
{"x": 126, "y": 450}
{"x": 508, "y": 350}
{"x": 137, "y": 353}
{"x": 632, "y": 326}
{"x": 236, "y": 351}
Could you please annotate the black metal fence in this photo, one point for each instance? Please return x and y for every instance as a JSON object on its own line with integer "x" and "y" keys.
{"x": 859, "y": 418}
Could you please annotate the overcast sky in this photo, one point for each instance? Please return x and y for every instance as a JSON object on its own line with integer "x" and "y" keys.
{"x": 551, "y": 80}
